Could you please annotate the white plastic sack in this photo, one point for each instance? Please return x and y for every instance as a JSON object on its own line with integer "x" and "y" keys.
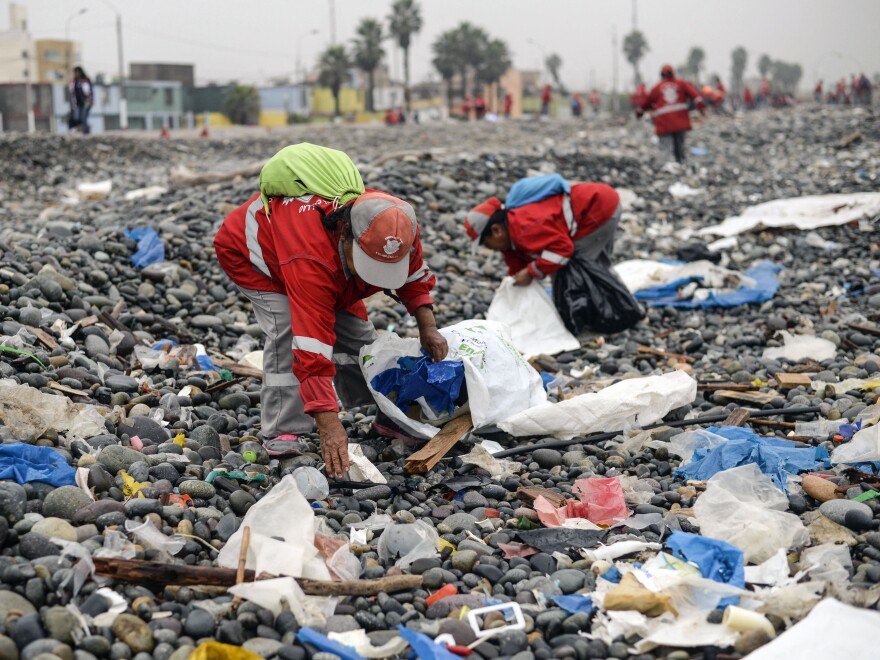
{"x": 633, "y": 401}
{"x": 831, "y": 630}
{"x": 283, "y": 513}
{"x": 743, "y": 507}
{"x": 864, "y": 447}
{"x": 535, "y": 326}
{"x": 409, "y": 542}
{"x": 499, "y": 380}
{"x": 802, "y": 213}
{"x": 801, "y": 347}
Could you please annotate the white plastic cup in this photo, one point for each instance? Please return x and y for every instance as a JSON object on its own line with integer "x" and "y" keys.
{"x": 743, "y": 620}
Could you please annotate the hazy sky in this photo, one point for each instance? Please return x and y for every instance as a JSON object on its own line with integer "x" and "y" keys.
{"x": 254, "y": 40}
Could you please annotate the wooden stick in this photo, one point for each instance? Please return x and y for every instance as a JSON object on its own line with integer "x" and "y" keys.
{"x": 755, "y": 398}
{"x": 237, "y": 369}
{"x": 654, "y": 351}
{"x": 242, "y": 562}
{"x": 723, "y": 385}
{"x": 429, "y": 455}
{"x": 44, "y": 337}
{"x": 737, "y": 417}
{"x": 530, "y": 493}
{"x": 137, "y": 572}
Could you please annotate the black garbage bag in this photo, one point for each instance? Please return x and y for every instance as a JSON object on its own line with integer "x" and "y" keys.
{"x": 591, "y": 297}
{"x": 697, "y": 252}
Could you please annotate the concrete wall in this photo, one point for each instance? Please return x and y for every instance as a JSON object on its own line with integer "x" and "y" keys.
{"x": 13, "y": 64}
{"x": 56, "y": 59}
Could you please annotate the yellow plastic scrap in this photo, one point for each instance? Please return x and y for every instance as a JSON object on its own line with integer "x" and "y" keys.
{"x": 462, "y": 613}
{"x": 446, "y": 544}
{"x": 631, "y": 594}
{"x": 218, "y": 651}
{"x": 130, "y": 487}
{"x": 757, "y": 382}
{"x": 179, "y": 440}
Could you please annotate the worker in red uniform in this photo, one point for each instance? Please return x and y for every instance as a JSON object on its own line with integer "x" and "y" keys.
{"x": 479, "y": 106}
{"x": 306, "y": 263}
{"x": 748, "y": 99}
{"x": 595, "y": 100}
{"x": 817, "y": 92}
{"x": 668, "y": 103}
{"x": 540, "y": 238}
{"x": 546, "y": 97}
{"x": 639, "y": 96}
{"x": 508, "y": 104}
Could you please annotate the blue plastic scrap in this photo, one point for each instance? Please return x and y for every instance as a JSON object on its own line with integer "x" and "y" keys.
{"x": 150, "y": 250}
{"x": 775, "y": 457}
{"x": 416, "y": 377}
{"x": 27, "y": 463}
{"x": 766, "y": 286}
{"x": 313, "y": 637}
{"x": 575, "y": 603}
{"x": 716, "y": 559}
{"x": 424, "y": 646}
{"x": 535, "y": 188}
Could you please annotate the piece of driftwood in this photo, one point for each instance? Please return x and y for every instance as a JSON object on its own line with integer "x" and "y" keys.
{"x": 723, "y": 385}
{"x": 755, "y": 398}
{"x": 67, "y": 390}
{"x": 137, "y": 572}
{"x": 429, "y": 455}
{"x": 790, "y": 381}
{"x": 44, "y": 337}
{"x": 529, "y": 494}
{"x": 737, "y": 417}
{"x": 242, "y": 562}
{"x": 655, "y": 351}
{"x": 182, "y": 177}
{"x": 238, "y": 369}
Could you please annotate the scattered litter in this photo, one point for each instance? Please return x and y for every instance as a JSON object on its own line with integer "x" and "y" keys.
{"x": 496, "y": 467}
{"x": 863, "y": 448}
{"x": 94, "y": 190}
{"x": 680, "y": 190}
{"x": 148, "y": 193}
{"x": 150, "y": 248}
{"x": 358, "y": 640}
{"x": 361, "y": 468}
{"x": 279, "y": 593}
{"x": 513, "y": 608}
{"x": 743, "y": 620}
{"x": 801, "y": 347}
{"x": 424, "y": 647}
{"x": 757, "y": 284}
{"x": 26, "y": 463}
{"x": 311, "y": 483}
{"x": 408, "y": 542}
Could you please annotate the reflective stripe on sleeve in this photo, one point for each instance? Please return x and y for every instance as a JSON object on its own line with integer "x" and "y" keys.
{"x": 568, "y": 212}
{"x": 279, "y": 380}
{"x": 417, "y": 275}
{"x": 553, "y": 258}
{"x": 251, "y": 227}
{"x": 312, "y": 345}
{"x": 675, "y": 107}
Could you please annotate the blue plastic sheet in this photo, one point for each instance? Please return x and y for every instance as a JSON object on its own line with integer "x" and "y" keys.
{"x": 150, "y": 250}
{"x": 27, "y": 463}
{"x": 775, "y": 457}
{"x": 766, "y": 286}
{"x": 716, "y": 559}
{"x": 313, "y": 637}
{"x": 575, "y": 603}
{"x": 534, "y": 189}
{"x": 416, "y": 377}
{"x": 424, "y": 646}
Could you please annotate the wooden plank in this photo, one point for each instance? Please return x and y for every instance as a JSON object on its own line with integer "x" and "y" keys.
{"x": 238, "y": 369}
{"x": 67, "y": 390}
{"x": 429, "y": 455}
{"x": 790, "y": 381}
{"x": 755, "y": 398}
{"x": 529, "y": 494}
{"x": 654, "y": 351}
{"x": 724, "y": 385}
{"x": 810, "y": 367}
{"x": 737, "y": 417}
{"x": 137, "y": 571}
{"x": 45, "y": 338}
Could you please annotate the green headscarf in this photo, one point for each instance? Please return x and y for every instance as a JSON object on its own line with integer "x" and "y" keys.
{"x": 304, "y": 168}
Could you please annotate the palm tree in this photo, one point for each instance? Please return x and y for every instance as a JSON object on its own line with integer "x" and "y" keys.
{"x": 553, "y": 64}
{"x": 740, "y": 59}
{"x": 695, "y": 62}
{"x": 495, "y": 62}
{"x": 634, "y": 47}
{"x": 242, "y": 105}
{"x": 405, "y": 20}
{"x": 333, "y": 67}
{"x": 446, "y": 59}
{"x": 368, "y": 53}
{"x": 764, "y": 65}
{"x": 470, "y": 42}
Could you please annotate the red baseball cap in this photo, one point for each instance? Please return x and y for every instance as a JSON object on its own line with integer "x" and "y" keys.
{"x": 478, "y": 217}
{"x": 384, "y": 229}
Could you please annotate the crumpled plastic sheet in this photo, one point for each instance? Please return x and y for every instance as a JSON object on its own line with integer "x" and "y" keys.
{"x": 575, "y": 603}
{"x": 863, "y": 448}
{"x": 804, "y": 213}
{"x": 418, "y": 379}
{"x": 26, "y": 463}
{"x": 418, "y": 540}
{"x": 773, "y": 572}
{"x": 743, "y": 507}
{"x": 801, "y": 347}
{"x": 150, "y": 248}
{"x": 573, "y": 514}
{"x": 717, "y": 560}
{"x": 361, "y": 469}
{"x": 274, "y": 594}
{"x": 618, "y": 549}
{"x": 774, "y": 456}
{"x": 496, "y": 467}
{"x": 604, "y": 495}
{"x": 829, "y": 561}
{"x": 358, "y": 640}
{"x": 424, "y": 647}
{"x": 759, "y": 285}
{"x": 635, "y": 491}
{"x": 832, "y": 630}
{"x": 83, "y": 570}
{"x": 31, "y": 413}
{"x": 646, "y": 274}
{"x": 148, "y": 536}
{"x": 634, "y": 401}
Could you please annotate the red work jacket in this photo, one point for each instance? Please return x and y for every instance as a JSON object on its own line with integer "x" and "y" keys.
{"x": 668, "y": 103}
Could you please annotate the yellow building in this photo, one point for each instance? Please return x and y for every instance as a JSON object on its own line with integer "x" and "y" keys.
{"x": 56, "y": 59}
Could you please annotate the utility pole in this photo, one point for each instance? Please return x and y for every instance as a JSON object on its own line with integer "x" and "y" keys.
{"x": 614, "y": 68}
{"x": 332, "y": 22}
{"x": 123, "y": 102}
{"x": 635, "y": 13}
{"x": 28, "y": 93}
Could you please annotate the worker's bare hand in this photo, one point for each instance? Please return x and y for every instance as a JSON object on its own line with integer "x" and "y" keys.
{"x": 334, "y": 444}
{"x": 523, "y": 278}
{"x": 434, "y": 343}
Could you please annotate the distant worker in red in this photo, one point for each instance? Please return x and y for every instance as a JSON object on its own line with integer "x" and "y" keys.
{"x": 817, "y": 92}
{"x": 546, "y": 97}
{"x": 577, "y": 105}
{"x": 480, "y": 106}
{"x": 508, "y": 104}
{"x": 639, "y": 96}
{"x": 596, "y": 100}
{"x": 748, "y": 99}
{"x": 668, "y": 103}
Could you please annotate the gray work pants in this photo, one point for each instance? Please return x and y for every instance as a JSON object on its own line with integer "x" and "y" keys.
{"x": 672, "y": 146}
{"x": 282, "y": 407}
{"x": 599, "y": 245}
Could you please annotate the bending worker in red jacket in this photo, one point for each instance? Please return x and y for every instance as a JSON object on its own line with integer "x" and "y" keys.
{"x": 540, "y": 238}
{"x": 668, "y": 103}
{"x": 306, "y": 252}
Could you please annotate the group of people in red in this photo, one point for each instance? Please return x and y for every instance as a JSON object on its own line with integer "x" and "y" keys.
{"x": 858, "y": 92}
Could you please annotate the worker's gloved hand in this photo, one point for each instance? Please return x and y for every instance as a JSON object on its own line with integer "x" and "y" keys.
{"x": 334, "y": 444}
{"x": 523, "y": 277}
{"x": 434, "y": 343}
